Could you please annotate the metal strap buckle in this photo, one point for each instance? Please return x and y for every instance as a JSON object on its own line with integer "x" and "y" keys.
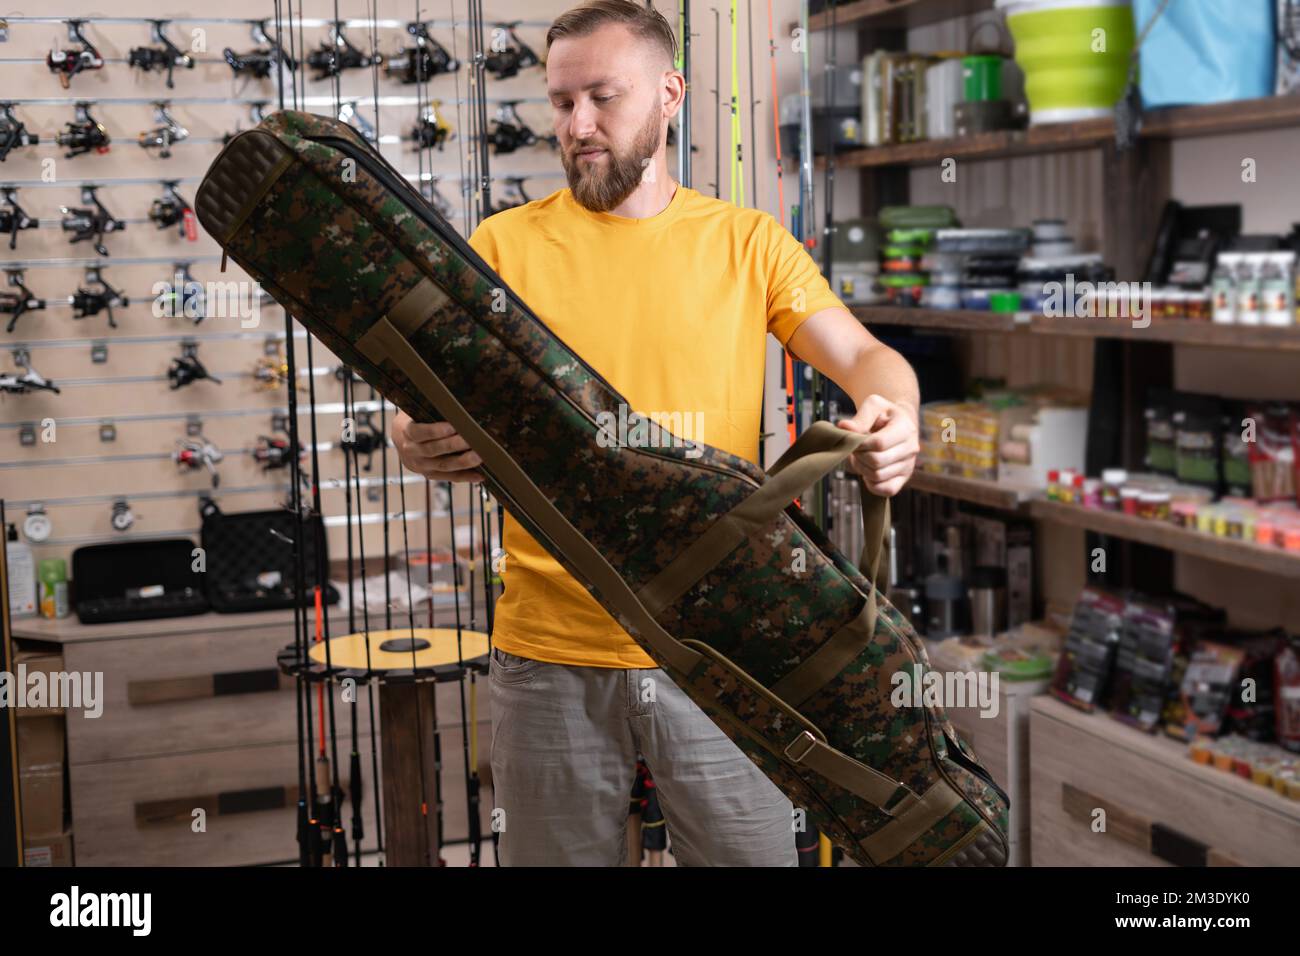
{"x": 803, "y": 744}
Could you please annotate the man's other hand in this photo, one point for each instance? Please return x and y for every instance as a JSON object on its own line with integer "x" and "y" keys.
{"x": 435, "y": 450}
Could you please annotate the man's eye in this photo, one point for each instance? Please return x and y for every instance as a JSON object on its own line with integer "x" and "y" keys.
{"x": 603, "y": 99}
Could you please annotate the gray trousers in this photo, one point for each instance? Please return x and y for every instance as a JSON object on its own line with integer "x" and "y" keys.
{"x": 564, "y": 746}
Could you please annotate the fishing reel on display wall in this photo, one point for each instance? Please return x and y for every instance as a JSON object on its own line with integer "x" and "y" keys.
{"x": 182, "y": 296}
{"x": 348, "y": 114}
{"x": 271, "y": 371}
{"x": 514, "y": 195}
{"x": 431, "y": 129}
{"x": 259, "y": 62}
{"x": 506, "y": 60}
{"x": 26, "y": 379}
{"x": 14, "y": 218}
{"x": 186, "y": 368}
{"x": 68, "y": 63}
{"x": 162, "y": 59}
{"x": 276, "y": 452}
{"x": 363, "y": 438}
{"x": 83, "y": 134}
{"x": 90, "y": 222}
{"x": 415, "y": 64}
{"x": 509, "y": 132}
{"x": 17, "y": 304}
{"x": 87, "y": 301}
{"x": 337, "y": 54}
{"x": 170, "y": 209}
{"x": 163, "y": 136}
{"x": 194, "y": 453}
{"x": 13, "y": 132}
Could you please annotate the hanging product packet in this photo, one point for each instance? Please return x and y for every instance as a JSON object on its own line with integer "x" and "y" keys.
{"x": 1286, "y": 686}
{"x": 1235, "y": 451}
{"x": 1207, "y": 688}
{"x": 1083, "y": 670}
{"x": 1143, "y": 663}
{"x": 1160, "y": 454}
{"x": 1196, "y": 422}
{"x": 1272, "y": 454}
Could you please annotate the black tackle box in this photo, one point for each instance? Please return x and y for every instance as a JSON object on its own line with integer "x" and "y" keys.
{"x": 250, "y": 564}
{"x": 136, "y": 581}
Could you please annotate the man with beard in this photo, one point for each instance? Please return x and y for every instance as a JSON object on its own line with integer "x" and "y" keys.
{"x": 669, "y": 295}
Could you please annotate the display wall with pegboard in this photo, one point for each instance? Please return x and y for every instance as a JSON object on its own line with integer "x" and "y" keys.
{"x": 118, "y": 298}
{"x": 143, "y": 377}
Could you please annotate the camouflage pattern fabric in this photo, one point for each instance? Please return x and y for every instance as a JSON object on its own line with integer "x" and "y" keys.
{"x": 339, "y": 239}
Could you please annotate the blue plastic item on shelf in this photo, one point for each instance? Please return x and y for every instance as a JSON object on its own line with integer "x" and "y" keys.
{"x": 1207, "y": 52}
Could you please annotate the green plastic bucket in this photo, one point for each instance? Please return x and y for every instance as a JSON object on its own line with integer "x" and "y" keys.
{"x": 1074, "y": 54}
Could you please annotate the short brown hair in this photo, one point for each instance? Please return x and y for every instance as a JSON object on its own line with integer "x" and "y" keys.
{"x": 645, "y": 22}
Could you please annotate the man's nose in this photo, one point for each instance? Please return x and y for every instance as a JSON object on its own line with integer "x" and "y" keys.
{"x": 582, "y": 121}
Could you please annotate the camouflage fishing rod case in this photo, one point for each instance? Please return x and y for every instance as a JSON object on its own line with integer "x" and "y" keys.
{"x": 703, "y": 557}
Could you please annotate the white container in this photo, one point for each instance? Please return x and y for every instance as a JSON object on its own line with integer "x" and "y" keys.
{"x": 1247, "y": 289}
{"x": 1046, "y": 248}
{"x": 1223, "y": 295}
{"x": 873, "y": 104}
{"x": 1277, "y": 289}
{"x": 1048, "y": 229}
{"x": 944, "y": 89}
{"x": 22, "y": 576}
{"x": 1057, "y": 441}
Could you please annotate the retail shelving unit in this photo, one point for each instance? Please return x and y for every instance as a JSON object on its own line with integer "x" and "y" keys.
{"x": 1224, "y": 819}
{"x": 1136, "y": 183}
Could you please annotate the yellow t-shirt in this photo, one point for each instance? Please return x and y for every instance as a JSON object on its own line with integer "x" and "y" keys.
{"x": 673, "y": 311}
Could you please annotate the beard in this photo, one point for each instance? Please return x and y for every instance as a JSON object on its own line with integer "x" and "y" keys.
{"x": 602, "y": 189}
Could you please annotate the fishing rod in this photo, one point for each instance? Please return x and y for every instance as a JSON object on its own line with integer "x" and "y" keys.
{"x": 481, "y": 121}
{"x": 471, "y": 773}
{"x": 806, "y": 203}
{"x": 787, "y": 367}
{"x": 737, "y": 147}
{"x": 350, "y": 402}
{"x": 315, "y": 808}
{"x": 683, "y": 63}
{"x": 354, "y": 758}
{"x": 753, "y": 138}
{"x": 717, "y": 104}
{"x": 485, "y": 529}
{"x": 819, "y": 383}
{"x": 800, "y": 222}
{"x": 424, "y": 149}
{"x": 306, "y": 782}
{"x": 333, "y": 841}
{"x": 460, "y": 154}
{"x": 753, "y": 101}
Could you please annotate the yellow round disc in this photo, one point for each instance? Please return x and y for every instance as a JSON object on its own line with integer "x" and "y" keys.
{"x": 391, "y": 650}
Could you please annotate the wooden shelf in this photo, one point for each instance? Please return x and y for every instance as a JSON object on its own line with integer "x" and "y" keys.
{"x": 1176, "y": 331}
{"x": 1270, "y": 112}
{"x": 1162, "y": 534}
{"x": 954, "y": 319}
{"x": 1159, "y": 534}
{"x": 896, "y": 14}
{"x": 988, "y": 493}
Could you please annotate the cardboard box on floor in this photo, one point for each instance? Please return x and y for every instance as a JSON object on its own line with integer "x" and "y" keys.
{"x": 54, "y": 850}
{"x": 45, "y": 662}
{"x": 40, "y": 771}
{"x": 42, "y": 796}
{"x": 40, "y": 742}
